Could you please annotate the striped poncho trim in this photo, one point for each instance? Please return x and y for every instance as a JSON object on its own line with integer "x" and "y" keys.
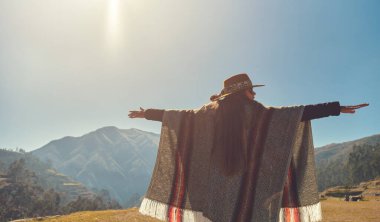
{"x": 161, "y": 211}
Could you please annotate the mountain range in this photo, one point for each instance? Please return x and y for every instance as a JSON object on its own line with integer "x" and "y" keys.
{"x": 122, "y": 160}
{"x": 118, "y": 160}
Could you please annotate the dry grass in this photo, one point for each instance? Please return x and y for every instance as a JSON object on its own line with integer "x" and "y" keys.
{"x": 337, "y": 210}
{"x": 129, "y": 215}
{"x": 334, "y": 210}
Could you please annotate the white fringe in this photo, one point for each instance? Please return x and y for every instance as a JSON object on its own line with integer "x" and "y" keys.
{"x": 159, "y": 210}
{"x": 311, "y": 213}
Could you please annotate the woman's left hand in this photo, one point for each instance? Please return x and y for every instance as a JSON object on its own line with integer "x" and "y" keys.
{"x": 137, "y": 114}
{"x": 351, "y": 109}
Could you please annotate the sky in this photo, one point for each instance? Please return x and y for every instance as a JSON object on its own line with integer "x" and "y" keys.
{"x": 71, "y": 67}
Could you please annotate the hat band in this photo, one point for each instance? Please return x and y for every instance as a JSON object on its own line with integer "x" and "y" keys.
{"x": 237, "y": 87}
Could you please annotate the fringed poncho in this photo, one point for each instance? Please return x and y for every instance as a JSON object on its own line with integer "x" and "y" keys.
{"x": 279, "y": 183}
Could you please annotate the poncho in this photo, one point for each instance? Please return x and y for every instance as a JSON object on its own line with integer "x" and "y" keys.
{"x": 279, "y": 183}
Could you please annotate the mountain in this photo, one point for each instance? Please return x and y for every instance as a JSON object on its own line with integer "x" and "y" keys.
{"x": 118, "y": 160}
{"x": 339, "y": 151}
{"x": 348, "y": 163}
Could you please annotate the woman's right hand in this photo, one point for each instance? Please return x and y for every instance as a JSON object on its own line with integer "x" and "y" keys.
{"x": 352, "y": 109}
{"x": 137, "y": 114}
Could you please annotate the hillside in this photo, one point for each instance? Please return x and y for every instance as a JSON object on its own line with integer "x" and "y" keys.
{"x": 340, "y": 151}
{"x": 48, "y": 177}
{"x": 25, "y": 193}
{"x": 348, "y": 163}
{"x": 120, "y": 161}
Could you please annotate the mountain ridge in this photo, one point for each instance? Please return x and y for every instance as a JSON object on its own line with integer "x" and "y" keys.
{"x": 122, "y": 160}
{"x": 118, "y": 160}
{"x": 330, "y": 150}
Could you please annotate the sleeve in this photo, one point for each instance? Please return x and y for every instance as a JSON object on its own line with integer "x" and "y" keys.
{"x": 321, "y": 110}
{"x": 154, "y": 114}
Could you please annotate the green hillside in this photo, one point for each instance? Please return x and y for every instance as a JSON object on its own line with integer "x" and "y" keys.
{"x": 45, "y": 176}
{"x": 29, "y": 188}
{"x": 349, "y": 163}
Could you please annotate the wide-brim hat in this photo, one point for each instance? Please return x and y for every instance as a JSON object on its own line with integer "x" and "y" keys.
{"x": 234, "y": 84}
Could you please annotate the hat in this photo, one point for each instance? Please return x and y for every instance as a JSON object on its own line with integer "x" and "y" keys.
{"x": 234, "y": 84}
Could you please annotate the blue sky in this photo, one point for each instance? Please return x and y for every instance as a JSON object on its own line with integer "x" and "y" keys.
{"x": 70, "y": 67}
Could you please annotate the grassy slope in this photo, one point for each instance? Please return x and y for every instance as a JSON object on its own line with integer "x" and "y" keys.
{"x": 334, "y": 210}
{"x": 129, "y": 215}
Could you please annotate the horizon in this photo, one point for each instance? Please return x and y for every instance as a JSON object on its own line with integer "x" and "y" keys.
{"x": 69, "y": 67}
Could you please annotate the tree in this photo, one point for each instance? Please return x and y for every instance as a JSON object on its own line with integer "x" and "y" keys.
{"x": 364, "y": 163}
{"x": 23, "y": 197}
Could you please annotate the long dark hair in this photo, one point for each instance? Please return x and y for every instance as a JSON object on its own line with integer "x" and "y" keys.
{"x": 228, "y": 152}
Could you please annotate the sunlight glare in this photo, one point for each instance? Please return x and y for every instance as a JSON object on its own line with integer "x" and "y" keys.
{"x": 113, "y": 24}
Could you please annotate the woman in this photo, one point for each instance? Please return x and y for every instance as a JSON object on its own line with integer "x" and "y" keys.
{"x": 231, "y": 114}
{"x": 245, "y": 139}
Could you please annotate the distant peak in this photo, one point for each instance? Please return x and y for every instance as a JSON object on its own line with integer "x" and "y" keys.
{"x": 113, "y": 129}
{"x": 139, "y": 131}
{"x": 108, "y": 128}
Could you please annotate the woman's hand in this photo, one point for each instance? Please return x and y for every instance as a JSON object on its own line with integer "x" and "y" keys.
{"x": 137, "y": 114}
{"x": 351, "y": 109}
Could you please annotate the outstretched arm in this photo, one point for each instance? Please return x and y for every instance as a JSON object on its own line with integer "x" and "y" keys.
{"x": 328, "y": 109}
{"x": 311, "y": 111}
{"x": 320, "y": 111}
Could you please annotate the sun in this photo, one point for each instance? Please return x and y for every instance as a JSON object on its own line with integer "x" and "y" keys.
{"x": 113, "y": 23}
